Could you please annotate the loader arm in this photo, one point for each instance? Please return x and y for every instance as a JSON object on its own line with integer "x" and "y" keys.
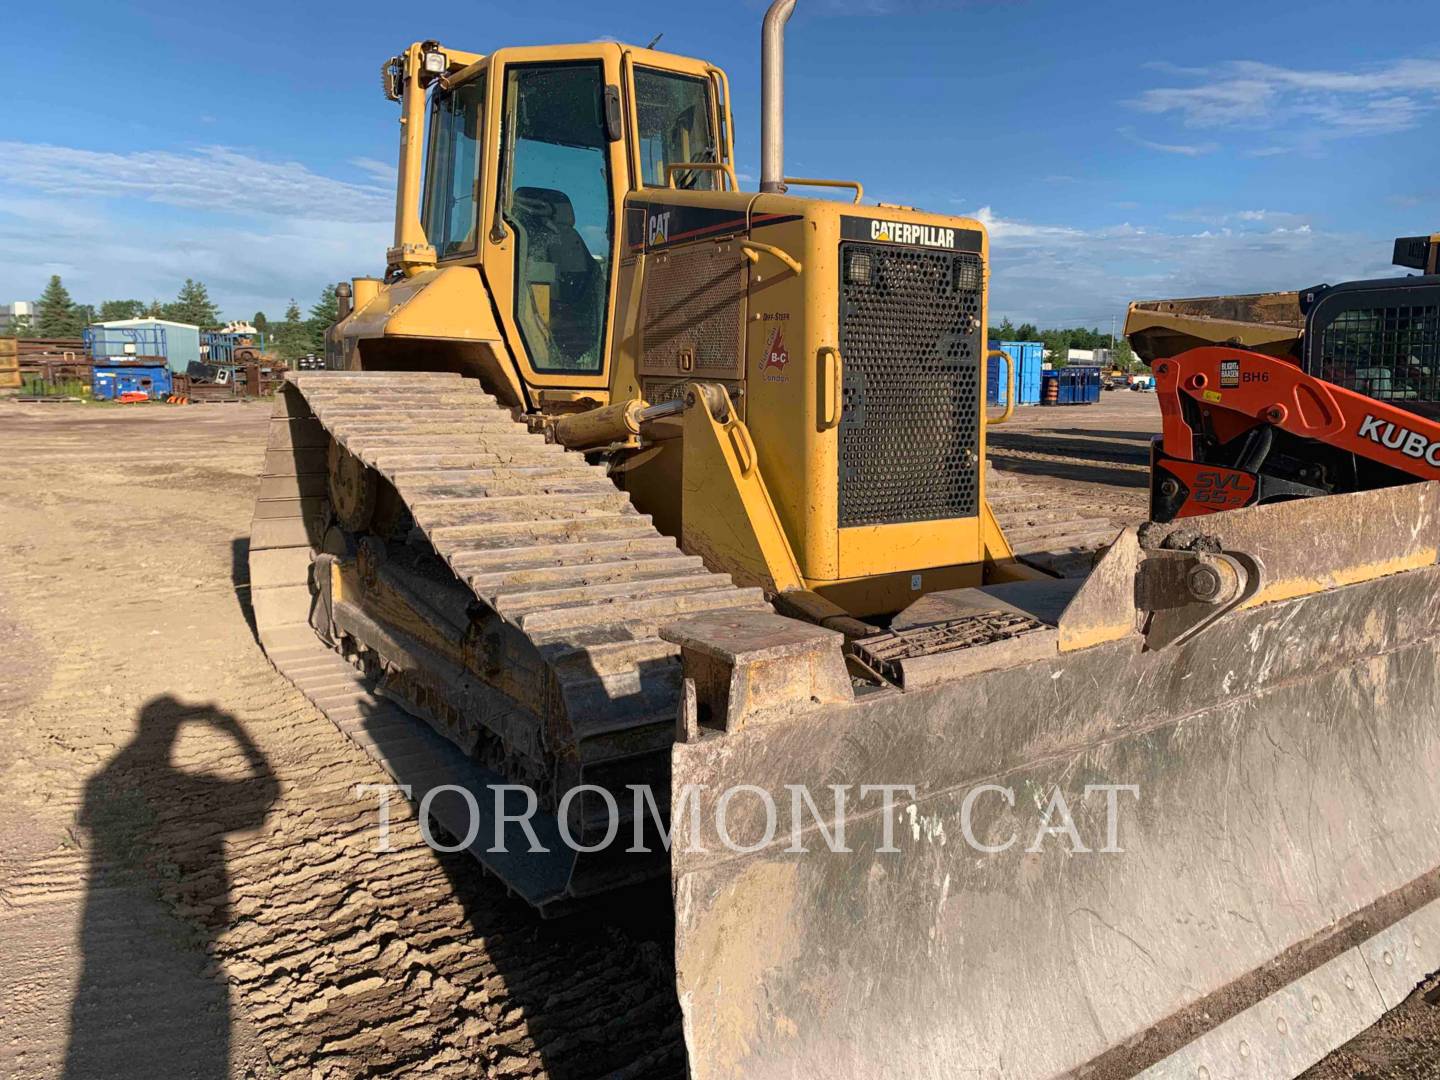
{"x": 1241, "y": 428}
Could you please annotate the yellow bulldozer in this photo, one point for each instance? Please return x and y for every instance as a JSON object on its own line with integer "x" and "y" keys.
{"x": 639, "y": 526}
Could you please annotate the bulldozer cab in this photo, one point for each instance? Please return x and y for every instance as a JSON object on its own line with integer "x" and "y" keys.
{"x": 593, "y": 189}
{"x": 529, "y": 155}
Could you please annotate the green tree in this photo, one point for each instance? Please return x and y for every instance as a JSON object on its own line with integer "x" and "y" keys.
{"x": 21, "y": 326}
{"x": 56, "y": 314}
{"x": 194, "y": 306}
{"x": 1085, "y": 337}
{"x": 260, "y": 322}
{"x": 1004, "y": 332}
{"x": 292, "y": 337}
{"x": 114, "y": 310}
{"x": 156, "y": 310}
{"x": 1074, "y": 337}
{"x": 1124, "y": 356}
{"x": 1057, "y": 343}
{"x": 325, "y": 314}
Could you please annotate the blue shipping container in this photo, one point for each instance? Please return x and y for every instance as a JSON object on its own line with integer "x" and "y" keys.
{"x": 108, "y": 382}
{"x": 1028, "y": 357}
{"x": 1075, "y": 384}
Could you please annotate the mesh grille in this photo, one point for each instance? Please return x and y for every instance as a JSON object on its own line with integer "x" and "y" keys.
{"x": 1391, "y": 353}
{"x": 656, "y": 391}
{"x": 693, "y": 300}
{"x": 910, "y": 343}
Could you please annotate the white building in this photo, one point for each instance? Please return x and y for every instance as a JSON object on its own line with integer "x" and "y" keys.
{"x": 8, "y": 313}
{"x": 178, "y": 343}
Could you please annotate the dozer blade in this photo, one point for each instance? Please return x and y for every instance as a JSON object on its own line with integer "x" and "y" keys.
{"x": 1249, "y": 881}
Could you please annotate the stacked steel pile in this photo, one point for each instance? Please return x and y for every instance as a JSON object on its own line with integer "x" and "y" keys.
{"x": 9, "y": 365}
{"x": 52, "y": 362}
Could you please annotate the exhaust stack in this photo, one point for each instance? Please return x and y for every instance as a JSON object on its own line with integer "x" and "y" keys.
{"x": 772, "y": 96}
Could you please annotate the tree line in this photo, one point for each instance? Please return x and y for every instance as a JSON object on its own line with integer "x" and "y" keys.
{"x": 58, "y": 315}
{"x": 1058, "y": 341}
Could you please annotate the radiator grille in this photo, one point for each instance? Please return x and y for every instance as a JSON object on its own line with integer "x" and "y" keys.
{"x": 910, "y": 339}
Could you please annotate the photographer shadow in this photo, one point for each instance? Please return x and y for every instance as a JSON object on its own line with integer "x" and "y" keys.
{"x": 143, "y": 1006}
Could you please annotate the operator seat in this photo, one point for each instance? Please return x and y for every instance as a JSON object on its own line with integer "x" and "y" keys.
{"x": 553, "y": 255}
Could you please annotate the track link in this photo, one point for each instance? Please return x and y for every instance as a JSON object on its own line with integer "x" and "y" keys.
{"x": 553, "y": 593}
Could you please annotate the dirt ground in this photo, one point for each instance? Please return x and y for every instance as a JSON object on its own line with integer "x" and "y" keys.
{"x": 1066, "y": 479}
{"x": 188, "y": 886}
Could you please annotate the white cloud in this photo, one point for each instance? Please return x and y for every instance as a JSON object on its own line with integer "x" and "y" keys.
{"x": 258, "y": 266}
{"x": 1001, "y": 229}
{"x": 1211, "y": 216}
{"x": 383, "y": 171}
{"x": 1321, "y": 104}
{"x": 213, "y": 178}
{"x": 1216, "y": 104}
{"x": 1063, "y": 275}
{"x": 119, "y": 224}
{"x": 1184, "y": 149}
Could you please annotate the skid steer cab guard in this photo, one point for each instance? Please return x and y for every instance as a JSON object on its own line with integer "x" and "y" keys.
{"x": 1182, "y": 819}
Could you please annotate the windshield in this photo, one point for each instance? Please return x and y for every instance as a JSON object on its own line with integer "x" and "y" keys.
{"x": 452, "y": 168}
{"x": 676, "y": 127}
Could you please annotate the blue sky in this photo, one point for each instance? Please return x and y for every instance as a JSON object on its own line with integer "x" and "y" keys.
{"x": 1116, "y": 150}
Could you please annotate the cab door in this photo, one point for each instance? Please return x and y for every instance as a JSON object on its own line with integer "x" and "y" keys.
{"x": 558, "y": 172}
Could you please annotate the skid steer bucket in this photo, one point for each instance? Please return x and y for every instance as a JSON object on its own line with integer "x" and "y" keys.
{"x": 1202, "y": 853}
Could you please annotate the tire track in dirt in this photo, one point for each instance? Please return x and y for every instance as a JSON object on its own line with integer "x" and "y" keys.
{"x": 341, "y": 960}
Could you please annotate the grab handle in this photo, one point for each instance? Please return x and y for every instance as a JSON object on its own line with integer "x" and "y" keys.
{"x": 1010, "y": 381}
{"x": 828, "y": 378}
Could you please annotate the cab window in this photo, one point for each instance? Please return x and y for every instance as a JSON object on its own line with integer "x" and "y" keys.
{"x": 557, "y": 199}
{"x": 452, "y": 169}
{"x": 676, "y": 127}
